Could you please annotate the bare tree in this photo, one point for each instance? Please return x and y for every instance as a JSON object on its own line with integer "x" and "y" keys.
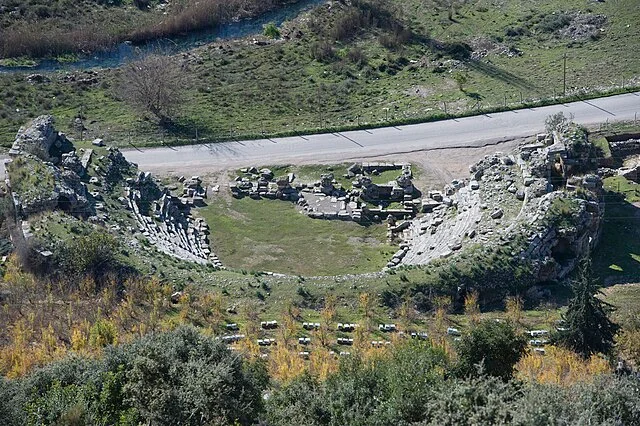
{"x": 154, "y": 84}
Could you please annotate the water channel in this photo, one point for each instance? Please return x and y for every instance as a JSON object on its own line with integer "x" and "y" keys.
{"x": 126, "y": 51}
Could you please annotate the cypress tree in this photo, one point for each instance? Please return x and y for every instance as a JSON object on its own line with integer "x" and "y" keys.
{"x": 588, "y": 329}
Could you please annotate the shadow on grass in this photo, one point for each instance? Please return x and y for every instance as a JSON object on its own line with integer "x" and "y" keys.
{"x": 502, "y": 75}
{"x": 462, "y": 52}
{"x": 185, "y": 128}
{"x": 473, "y": 95}
{"x": 616, "y": 260}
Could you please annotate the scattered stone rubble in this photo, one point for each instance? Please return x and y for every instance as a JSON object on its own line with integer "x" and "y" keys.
{"x": 327, "y": 199}
{"x": 626, "y": 148}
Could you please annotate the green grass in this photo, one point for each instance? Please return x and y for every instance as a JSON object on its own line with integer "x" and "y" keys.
{"x": 311, "y": 173}
{"x": 621, "y": 185}
{"x": 625, "y": 298}
{"x": 273, "y": 236}
{"x": 244, "y": 90}
{"x": 385, "y": 177}
{"x": 617, "y": 257}
{"x": 603, "y": 145}
{"x": 30, "y": 178}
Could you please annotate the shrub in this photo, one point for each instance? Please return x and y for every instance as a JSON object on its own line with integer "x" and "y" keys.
{"x": 492, "y": 348}
{"x": 389, "y": 390}
{"x": 357, "y": 57}
{"x": 179, "y": 377}
{"x": 271, "y": 31}
{"x": 93, "y": 255}
{"x": 553, "y": 22}
{"x": 102, "y": 333}
{"x": 323, "y": 51}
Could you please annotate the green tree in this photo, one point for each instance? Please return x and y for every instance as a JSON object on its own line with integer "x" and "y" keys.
{"x": 180, "y": 377}
{"x": 388, "y": 391}
{"x": 497, "y": 346}
{"x": 588, "y": 329}
{"x": 461, "y": 79}
{"x": 185, "y": 378}
{"x": 271, "y": 31}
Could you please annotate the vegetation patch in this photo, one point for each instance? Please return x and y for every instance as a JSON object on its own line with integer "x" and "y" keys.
{"x": 31, "y": 178}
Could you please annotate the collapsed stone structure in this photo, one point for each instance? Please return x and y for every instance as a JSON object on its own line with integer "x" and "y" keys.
{"x": 327, "y": 199}
{"x": 627, "y": 147}
{"x": 41, "y": 139}
{"x": 165, "y": 221}
{"x": 81, "y": 183}
{"x": 528, "y": 197}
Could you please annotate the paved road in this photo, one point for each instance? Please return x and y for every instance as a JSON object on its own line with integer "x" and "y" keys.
{"x": 464, "y": 132}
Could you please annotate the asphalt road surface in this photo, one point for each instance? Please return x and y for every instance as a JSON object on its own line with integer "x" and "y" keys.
{"x": 474, "y": 131}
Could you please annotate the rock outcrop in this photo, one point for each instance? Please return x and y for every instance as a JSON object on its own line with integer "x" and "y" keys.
{"x": 40, "y": 139}
{"x": 46, "y": 174}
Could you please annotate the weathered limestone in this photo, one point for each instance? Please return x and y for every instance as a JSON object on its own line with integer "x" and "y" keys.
{"x": 37, "y": 138}
{"x": 509, "y": 195}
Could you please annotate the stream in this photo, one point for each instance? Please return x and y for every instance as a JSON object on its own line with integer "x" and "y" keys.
{"x": 124, "y": 52}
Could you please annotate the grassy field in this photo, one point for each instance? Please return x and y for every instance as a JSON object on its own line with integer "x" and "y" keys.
{"x": 626, "y": 299}
{"x": 489, "y": 56}
{"x": 273, "y": 236}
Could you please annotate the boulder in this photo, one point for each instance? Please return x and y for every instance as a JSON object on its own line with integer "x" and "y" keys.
{"x": 37, "y": 138}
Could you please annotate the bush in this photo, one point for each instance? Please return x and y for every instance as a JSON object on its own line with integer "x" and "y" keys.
{"x": 390, "y": 390}
{"x": 553, "y": 22}
{"x": 102, "y": 333}
{"x": 491, "y": 348}
{"x": 90, "y": 255}
{"x": 9, "y": 405}
{"x": 271, "y": 31}
{"x": 357, "y": 56}
{"x": 180, "y": 377}
{"x": 323, "y": 51}
{"x": 184, "y": 377}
